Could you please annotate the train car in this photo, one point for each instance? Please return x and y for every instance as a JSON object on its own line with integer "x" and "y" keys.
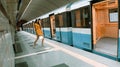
{"x": 26, "y": 27}
{"x": 81, "y": 24}
{"x": 61, "y": 25}
{"x": 46, "y": 25}
{"x": 105, "y": 27}
{"x": 56, "y": 25}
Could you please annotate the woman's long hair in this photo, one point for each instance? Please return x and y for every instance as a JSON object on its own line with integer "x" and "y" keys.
{"x": 36, "y": 21}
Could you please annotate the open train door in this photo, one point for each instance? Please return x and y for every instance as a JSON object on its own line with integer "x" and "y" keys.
{"x": 105, "y": 27}
{"x": 52, "y": 26}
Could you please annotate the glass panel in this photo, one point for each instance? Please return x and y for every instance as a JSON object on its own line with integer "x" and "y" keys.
{"x": 86, "y": 17}
{"x": 61, "y": 20}
{"x": 78, "y": 18}
{"x": 82, "y": 17}
{"x": 113, "y": 13}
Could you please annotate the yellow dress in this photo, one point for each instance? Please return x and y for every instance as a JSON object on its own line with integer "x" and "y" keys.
{"x": 38, "y": 29}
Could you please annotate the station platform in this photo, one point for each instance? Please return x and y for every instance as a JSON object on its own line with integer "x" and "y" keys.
{"x": 55, "y": 54}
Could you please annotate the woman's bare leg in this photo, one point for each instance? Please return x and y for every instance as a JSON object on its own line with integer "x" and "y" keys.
{"x": 36, "y": 41}
{"x": 42, "y": 42}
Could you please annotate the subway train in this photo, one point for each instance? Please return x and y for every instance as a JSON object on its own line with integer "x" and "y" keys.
{"x": 88, "y": 25}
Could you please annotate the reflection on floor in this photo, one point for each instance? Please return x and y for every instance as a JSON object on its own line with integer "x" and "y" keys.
{"x": 107, "y": 46}
{"x": 22, "y": 64}
{"x": 63, "y": 56}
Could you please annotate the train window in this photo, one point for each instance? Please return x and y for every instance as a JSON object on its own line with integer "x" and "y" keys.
{"x": 41, "y": 22}
{"x": 46, "y": 22}
{"x": 61, "y": 20}
{"x": 85, "y": 17}
{"x": 82, "y": 17}
{"x": 113, "y": 15}
{"x": 69, "y": 24}
{"x": 29, "y": 25}
{"x": 57, "y": 20}
{"x": 66, "y": 19}
{"x": 73, "y": 18}
{"x": 78, "y": 18}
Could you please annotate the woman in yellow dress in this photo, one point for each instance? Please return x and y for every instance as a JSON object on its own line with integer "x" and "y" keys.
{"x": 39, "y": 32}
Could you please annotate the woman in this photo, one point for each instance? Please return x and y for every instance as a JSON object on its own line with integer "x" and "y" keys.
{"x": 39, "y": 33}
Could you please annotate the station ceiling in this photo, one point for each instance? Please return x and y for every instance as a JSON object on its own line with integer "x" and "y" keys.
{"x": 27, "y": 10}
{"x": 36, "y": 8}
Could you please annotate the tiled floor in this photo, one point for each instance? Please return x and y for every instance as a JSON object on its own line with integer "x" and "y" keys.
{"x": 62, "y": 55}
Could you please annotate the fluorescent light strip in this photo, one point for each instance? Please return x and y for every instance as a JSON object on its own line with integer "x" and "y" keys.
{"x": 26, "y": 8}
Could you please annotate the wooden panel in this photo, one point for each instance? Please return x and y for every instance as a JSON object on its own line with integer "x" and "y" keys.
{"x": 107, "y": 4}
{"x": 100, "y": 23}
{"x": 111, "y": 30}
{"x": 94, "y": 24}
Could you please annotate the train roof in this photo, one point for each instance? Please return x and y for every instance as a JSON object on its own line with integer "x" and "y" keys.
{"x": 79, "y": 4}
{"x": 68, "y": 7}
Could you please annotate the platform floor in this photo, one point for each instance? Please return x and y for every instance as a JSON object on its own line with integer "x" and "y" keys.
{"x": 55, "y": 54}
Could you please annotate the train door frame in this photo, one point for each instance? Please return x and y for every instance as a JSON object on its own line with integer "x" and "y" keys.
{"x": 103, "y": 54}
{"x": 50, "y": 25}
{"x": 92, "y": 46}
{"x": 118, "y": 49}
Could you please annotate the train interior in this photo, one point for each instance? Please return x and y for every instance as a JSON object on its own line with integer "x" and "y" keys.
{"x": 105, "y": 27}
